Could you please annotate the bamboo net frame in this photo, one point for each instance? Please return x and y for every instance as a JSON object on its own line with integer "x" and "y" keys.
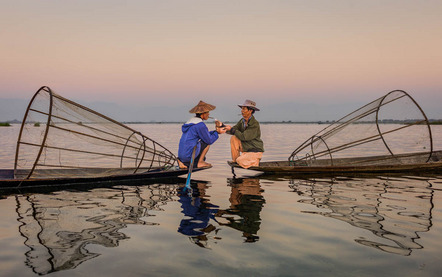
{"x": 63, "y": 139}
{"x": 373, "y": 130}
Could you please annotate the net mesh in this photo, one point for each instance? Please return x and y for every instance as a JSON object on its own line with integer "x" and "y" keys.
{"x": 393, "y": 129}
{"x": 60, "y": 138}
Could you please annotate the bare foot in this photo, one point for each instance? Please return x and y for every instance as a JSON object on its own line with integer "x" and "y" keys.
{"x": 203, "y": 164}
{"x": 181, "y": 165}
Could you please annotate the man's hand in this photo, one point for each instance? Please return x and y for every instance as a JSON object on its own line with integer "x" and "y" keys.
{"x": 221, "y": 130}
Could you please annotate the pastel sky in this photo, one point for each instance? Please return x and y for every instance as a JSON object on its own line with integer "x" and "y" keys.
{"x": 175, "y": 52}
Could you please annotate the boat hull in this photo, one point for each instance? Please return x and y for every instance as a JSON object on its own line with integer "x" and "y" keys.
{"x": 344, "y": 166}
{"x": 7, "y": 180}
{"x": 277, "y": 167}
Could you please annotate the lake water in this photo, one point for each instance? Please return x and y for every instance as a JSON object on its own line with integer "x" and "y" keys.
{"x": 250, "y": 225}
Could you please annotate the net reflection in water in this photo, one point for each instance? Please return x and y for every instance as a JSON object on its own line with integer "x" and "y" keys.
{"x": 392, "y": 209}
{"x": 58, "y": 227}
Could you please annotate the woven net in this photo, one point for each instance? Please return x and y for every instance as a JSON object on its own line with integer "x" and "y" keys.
{"x": 392, "y": 129}
{"x": 60, "y": 138}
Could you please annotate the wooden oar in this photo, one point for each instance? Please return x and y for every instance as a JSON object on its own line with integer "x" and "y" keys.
{"x": 192, "y": 160}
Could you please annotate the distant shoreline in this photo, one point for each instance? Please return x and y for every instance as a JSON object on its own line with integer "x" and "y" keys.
{"x": 431, "y": 121}
{"x": 387, "y": 121}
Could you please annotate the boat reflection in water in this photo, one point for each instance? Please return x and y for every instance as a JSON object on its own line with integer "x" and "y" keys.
{"x": 393, "y": 209}
{"x": 246, "y": 202}
{"x": 59, "y": 226}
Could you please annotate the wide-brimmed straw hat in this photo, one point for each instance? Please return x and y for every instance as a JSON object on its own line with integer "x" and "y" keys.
{"x": 249, "y": 103}
{"x": 202, "y": 107}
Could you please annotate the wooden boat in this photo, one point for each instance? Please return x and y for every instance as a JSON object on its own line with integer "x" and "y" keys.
{"x": 63, "y": 142}
{"x": 8, "y": 180}
{"x": 389, "y": 134}
{"x": 356, "y": 165}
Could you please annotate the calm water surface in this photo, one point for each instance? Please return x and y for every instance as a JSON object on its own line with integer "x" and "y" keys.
{"x": 250, "y": 225}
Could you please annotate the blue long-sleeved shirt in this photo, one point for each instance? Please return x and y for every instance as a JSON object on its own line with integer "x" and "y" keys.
{"x": 194, "y": 131}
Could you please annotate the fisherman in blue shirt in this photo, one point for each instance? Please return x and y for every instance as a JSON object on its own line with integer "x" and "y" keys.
{"x": 196, "y": 133}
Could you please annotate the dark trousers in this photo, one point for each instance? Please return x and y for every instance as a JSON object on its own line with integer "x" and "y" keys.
{"x": 197, "y": 158}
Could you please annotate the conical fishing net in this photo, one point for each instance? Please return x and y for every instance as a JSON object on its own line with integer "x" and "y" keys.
{"x": 392, "y": 129}
{"x": 60, "y": 138}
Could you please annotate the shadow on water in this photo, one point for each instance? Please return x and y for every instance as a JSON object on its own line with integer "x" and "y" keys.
{"x": 59, "y": 225}
{"x": 197, "y": 211}
{"x": 246, "y": 202}
{"x": 394, "y": 209}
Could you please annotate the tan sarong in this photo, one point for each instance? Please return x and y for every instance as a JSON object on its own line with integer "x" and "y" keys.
{"x": 244, "y": 159}
{"x": 248, "y": 159}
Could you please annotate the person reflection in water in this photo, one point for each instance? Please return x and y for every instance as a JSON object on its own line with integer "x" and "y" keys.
{"x": 246, "y": 202}
{"x": 198, "y": 212}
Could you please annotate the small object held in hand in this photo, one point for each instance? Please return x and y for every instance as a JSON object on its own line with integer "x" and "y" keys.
{"x": 219, "y": 124}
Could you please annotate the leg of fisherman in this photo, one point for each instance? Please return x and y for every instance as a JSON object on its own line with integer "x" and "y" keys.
{"x": 181, "y": 165}
{"x": 235, "y": 147}
{"x": 202, "y": 156}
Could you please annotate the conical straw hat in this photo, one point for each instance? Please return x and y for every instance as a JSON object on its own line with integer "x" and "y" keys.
{"x": 202, "y": 107}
